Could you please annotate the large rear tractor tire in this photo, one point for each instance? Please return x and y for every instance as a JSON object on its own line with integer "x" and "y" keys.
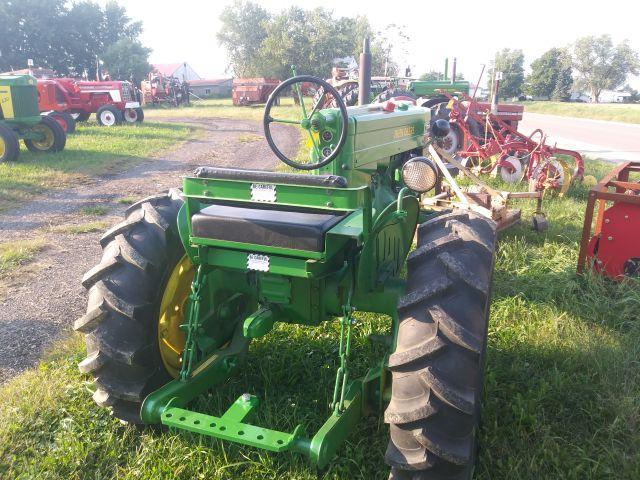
{"x": 53, "y": 137}
{"x": 66, "y": 121}
{"x": 80, "y": 116}
{"x": 396, "y": 94}
{"x": 9, "y": 145}
{"x": 143, "y": 269}
{"x": 438, "y": 365}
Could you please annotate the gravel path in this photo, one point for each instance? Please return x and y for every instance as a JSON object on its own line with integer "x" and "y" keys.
{"x": 41, "y": 301}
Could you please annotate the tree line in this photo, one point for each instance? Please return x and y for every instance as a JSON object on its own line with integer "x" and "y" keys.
{"x": 70, "y": 38}
{"x": 264, "y": 44}
{"x": 592, "y": 63}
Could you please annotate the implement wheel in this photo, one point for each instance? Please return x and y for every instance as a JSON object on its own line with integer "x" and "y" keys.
{"x": 136, "y": 297}
{"x": 438, "y": 365}
{"x": 9, "y": 146}
{"x": 53, "y": 138}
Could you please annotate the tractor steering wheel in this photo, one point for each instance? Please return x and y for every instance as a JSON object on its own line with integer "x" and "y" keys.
{"x": 308, "y": 122}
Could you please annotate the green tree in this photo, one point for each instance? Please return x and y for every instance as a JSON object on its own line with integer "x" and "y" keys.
{"x": 602, "y": 65}
{"x": 67, "y": 37}
{"x": 262, "y": 44}
{"x": 432, "y": 75}
{"x": 127, "y": 59}
{"x": 550, "y": 75}
{"x": 242, "y": 33}
{"x": 511, "y": 64}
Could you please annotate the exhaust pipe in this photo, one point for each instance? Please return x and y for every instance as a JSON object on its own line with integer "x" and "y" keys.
{"x": 364, "y": 80}
{"x": 453, "y": 72}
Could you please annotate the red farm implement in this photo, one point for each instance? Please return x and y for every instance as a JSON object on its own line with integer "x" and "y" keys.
{"x": 159, "y": 88}
{"x": 614, "y": 247}
{"x": 247, "y": 91}
{"x": 492, "y": 145}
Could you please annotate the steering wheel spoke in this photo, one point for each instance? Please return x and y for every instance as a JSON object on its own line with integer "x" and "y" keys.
{"x": 323, "y": 89}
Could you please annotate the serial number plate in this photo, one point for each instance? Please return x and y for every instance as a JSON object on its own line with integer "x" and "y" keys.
{"x": 263, "y": 193}
{"x": 258, "y": 262}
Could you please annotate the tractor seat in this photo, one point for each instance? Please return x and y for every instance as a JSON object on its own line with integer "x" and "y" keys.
{"x": 261, "y": 176}
{"x": 296, "y": 229}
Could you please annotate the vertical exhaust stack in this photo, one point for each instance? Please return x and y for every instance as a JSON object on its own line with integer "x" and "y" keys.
{"x": 453, "y": 72}
{"x": 446, "y": 69}
{"x": 364, "y": 82}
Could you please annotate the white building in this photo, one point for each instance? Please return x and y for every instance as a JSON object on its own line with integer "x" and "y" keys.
{"x": 182, "y": 71}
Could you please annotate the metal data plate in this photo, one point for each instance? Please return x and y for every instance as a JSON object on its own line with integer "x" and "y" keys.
{"x": 261, "y": 192}
{"x": 258, "y": 262}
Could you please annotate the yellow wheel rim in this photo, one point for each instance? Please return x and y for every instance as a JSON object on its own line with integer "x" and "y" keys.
{"x": 171, "y": 315}
{"x": 48, "y": 138}
{"x": 3, "y": 147}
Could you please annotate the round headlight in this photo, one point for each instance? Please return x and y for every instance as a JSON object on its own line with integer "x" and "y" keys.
{"x": 420, "y": 174}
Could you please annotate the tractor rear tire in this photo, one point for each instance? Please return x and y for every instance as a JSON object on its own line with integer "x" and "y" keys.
{"x": 395, "y": 94}
{"x": 108, "y": 116}
{"x": 54, "y": 140}
{"x": 9, "y": 145}
{"x": 437, "y": 367}
{"x": 66, "y": 121}
{"x": 81, "y": 116}
{"x": 125, "y": 291}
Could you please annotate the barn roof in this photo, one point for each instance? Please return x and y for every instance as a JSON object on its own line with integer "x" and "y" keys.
{"x": 167, "y": 69}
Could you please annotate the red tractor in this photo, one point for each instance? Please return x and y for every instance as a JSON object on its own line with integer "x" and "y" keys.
{"x": 113, "y": 102}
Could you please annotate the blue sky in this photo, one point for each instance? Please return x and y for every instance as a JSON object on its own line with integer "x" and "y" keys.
{"x": 185, "y": 31}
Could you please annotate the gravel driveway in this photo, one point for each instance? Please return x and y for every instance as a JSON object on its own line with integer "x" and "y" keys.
{"x": 41, "y": 301}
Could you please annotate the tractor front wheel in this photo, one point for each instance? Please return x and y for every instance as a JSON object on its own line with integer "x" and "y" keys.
{"x": 9, "y": 145}
{"x": 51, "y": 136}
{"x": 437, "y": 367}
{"x": 133, "y": 115}
{"x": 108, "y": 115}
{"x": 136, "y": 296}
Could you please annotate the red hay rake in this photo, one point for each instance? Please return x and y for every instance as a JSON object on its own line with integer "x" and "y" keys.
{"x": 491, "y": 146}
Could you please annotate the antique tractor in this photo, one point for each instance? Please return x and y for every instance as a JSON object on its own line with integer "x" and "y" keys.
{"x": 21, "y": 119}
{"x": 191, "y": 277}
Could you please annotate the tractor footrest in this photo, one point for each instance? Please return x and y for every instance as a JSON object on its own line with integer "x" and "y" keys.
{"x": 230, "y": 426}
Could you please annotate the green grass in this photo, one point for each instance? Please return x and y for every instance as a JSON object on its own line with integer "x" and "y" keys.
{"x": 219, "y": 108}
{"x": 562, "y": 396}
{"x": 91, "y": 151}
{"x": 627, "y": 113}
{"x": 17, "y": 253}
{"x": 96, "y": 210}
{"x": 89, "y": 227}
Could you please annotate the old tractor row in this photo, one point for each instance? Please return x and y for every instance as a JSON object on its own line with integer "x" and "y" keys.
{"x": 20, "y": 119}
{"x": 191, "y": 277}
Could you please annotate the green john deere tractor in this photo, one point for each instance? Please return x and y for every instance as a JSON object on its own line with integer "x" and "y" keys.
{"x": 191, "y": 277}
{"x": 20, "y": 118}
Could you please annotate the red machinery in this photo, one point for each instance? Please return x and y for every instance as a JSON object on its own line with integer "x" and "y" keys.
{"x": 493, "y": 145}
{"x": 614, "y": 247}
{"x": 162, "y": 89}
{"x": 112, "y": 101}
{"x": 252, "y": 90}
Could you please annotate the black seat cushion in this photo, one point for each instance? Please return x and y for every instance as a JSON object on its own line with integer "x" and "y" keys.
{"x": 301, "y": 230}
{"x": 335, "y": 181}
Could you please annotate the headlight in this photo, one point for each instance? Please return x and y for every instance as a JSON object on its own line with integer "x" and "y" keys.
{"x": 420, "y": 174}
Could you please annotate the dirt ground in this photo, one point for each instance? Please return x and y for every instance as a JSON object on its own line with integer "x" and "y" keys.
{"x": 40, "y": 302}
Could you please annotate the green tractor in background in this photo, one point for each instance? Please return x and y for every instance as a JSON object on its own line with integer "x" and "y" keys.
{"x": 20, "y": 119}
{"x": 191, "y": 277}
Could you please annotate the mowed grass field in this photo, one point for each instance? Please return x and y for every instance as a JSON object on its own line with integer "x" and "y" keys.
{"x": 561, "y": 400}
{"x": 91, "y": 151}
{"x": 617, "y": 112}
